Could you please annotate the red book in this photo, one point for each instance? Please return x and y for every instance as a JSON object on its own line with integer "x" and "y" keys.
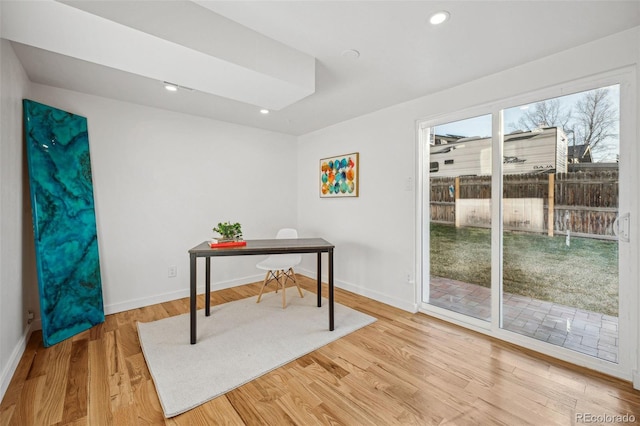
{"x": 228, "y": 244}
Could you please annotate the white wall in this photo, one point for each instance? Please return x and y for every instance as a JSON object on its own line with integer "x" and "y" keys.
{"x": 163, "y": 180}
{"x": 375, "y": 234}
{"x": 18, "y": 289}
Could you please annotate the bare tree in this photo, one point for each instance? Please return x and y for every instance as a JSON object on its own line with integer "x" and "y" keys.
{"x": 592, "y": 120}
{"x": 547, "y": 113}
{"x": 595, "y": 120}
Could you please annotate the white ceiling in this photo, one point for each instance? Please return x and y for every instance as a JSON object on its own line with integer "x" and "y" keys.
{"x": 268, "y": 59}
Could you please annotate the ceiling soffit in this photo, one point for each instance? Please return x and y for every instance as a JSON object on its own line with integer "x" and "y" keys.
{"x": 196, "y": 49}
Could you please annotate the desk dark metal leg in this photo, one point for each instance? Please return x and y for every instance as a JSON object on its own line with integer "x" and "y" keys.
{"x": 331, "y": 323}
{"x": 192, "y": 269}
{"x": 319, "y": 291}
{"x": 207, "y": 286}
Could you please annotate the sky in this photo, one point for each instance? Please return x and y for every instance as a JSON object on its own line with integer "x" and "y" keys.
{"x": 481, "y": 125}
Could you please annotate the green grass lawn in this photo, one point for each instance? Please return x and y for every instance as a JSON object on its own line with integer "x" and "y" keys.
{"x": 582, "y": 275}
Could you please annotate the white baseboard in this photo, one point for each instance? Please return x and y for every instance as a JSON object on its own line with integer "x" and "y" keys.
{"x": 371, "y": 294}
{"x": 36, "y": 324}
{"x": 12, "y": 364}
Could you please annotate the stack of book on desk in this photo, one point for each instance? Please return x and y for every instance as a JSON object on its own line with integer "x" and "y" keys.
{"x": 218, "y": 243}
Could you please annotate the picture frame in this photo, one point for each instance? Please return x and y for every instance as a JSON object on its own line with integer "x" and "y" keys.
{"x": 339, "y": 176}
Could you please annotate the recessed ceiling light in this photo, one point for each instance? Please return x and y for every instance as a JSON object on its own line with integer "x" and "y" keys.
{"x": 170, "y": 86}
{"x": 264, "y": 111}
{"x": 351, "y": 53}
{"x": 439, "y": 17}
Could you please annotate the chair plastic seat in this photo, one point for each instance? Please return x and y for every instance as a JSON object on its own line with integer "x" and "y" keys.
{"x": 280, "y": 262}
{"x": 279, "y": 267}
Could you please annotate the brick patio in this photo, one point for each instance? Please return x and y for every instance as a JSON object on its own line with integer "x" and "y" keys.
{"x": 587, "y": 332}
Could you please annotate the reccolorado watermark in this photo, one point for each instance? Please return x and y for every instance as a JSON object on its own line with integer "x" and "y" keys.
{"x": 605, "y": 418}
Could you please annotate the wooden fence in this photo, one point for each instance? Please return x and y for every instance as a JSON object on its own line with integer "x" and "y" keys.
{"x": 584, "y": 203}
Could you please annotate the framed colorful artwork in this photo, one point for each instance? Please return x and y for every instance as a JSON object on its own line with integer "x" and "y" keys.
{"x": 339, "y": 176}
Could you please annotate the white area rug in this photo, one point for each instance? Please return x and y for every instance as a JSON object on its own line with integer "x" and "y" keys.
{"x": 239, "y": 342}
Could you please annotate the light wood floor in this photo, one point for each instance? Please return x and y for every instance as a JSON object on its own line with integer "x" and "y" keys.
{"x": 403, "y": 369}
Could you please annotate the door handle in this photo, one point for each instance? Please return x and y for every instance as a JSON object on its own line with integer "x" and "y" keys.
{"x": 621, "y": 227}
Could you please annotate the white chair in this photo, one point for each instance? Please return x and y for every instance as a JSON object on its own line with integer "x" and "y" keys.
{"x": 279, "y": 267}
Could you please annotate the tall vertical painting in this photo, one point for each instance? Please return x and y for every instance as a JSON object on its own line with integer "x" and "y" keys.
{"x": 64, "y": 221}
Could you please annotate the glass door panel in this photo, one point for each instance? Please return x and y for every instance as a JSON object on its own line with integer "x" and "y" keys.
{"x": 459, "y": 194}
{"x": 560, "y": 204}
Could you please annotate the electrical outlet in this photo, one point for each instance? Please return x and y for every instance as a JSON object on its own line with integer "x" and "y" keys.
{"x": 173, "y": 271}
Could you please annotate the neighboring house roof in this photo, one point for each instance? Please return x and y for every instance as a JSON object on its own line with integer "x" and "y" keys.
{"x": 445, "y": 139}
{"x": 579, "y": 154}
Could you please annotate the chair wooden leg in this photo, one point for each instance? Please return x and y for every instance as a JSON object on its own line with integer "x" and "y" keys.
{"x": 283, "y": 277}
{"x": 293, "y": 277}
{"x": 264, "y": 284}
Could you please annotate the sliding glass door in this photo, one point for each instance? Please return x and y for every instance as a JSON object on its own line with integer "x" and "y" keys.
{"x": 560, "y": 206}
{"x": 526, "y": 223}
{"x": 460, "y": 216}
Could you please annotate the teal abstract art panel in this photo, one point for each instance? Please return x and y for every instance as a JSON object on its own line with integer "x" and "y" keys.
{"x": 64, "y": 221}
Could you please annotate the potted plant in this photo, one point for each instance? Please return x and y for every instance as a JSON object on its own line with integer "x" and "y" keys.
{"x": 229, "y": 231}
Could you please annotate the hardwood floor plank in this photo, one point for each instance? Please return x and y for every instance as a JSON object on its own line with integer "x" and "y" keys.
{"x": 56, "y": 380}
{"x": 536, "y": 412}
{"x": 137, "y": 371}
{"x": 403, "y": 369}
{"x": 174, "y": 307}
{"x": 299, "y": 393}
{"x": 216, "y": 412}
{"x": 499, "y": 415}
{"x": 300, "y": 412}
{"x": 267, "y": 388}
{"x": 7, "y": 414}
{"x": 77, "y": 422}
{"x": 348, "y": 411}
{"x": 348, "y": 355}
{"x": 549, "y": 389}
{"x": 148, "y": 408}
{"x": 434, "y": 406}
{"x": 75, "y": 399}
{"x": 98, "y": 405}
{"x": 128, "y": 339}
{"x": 110, "y": 323}
{"x": 244, "y": 400}
{"x": 325, "y": 416}
{"x": 125, "y": 415}
{"x": 372, "y": 397}
{"x": 120, "y": 390}
{"x": 40, "y": 361}
{"x": 328, "y": 365}
{"x": 26, "y": 413}
{"x": 316, "y": 374}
